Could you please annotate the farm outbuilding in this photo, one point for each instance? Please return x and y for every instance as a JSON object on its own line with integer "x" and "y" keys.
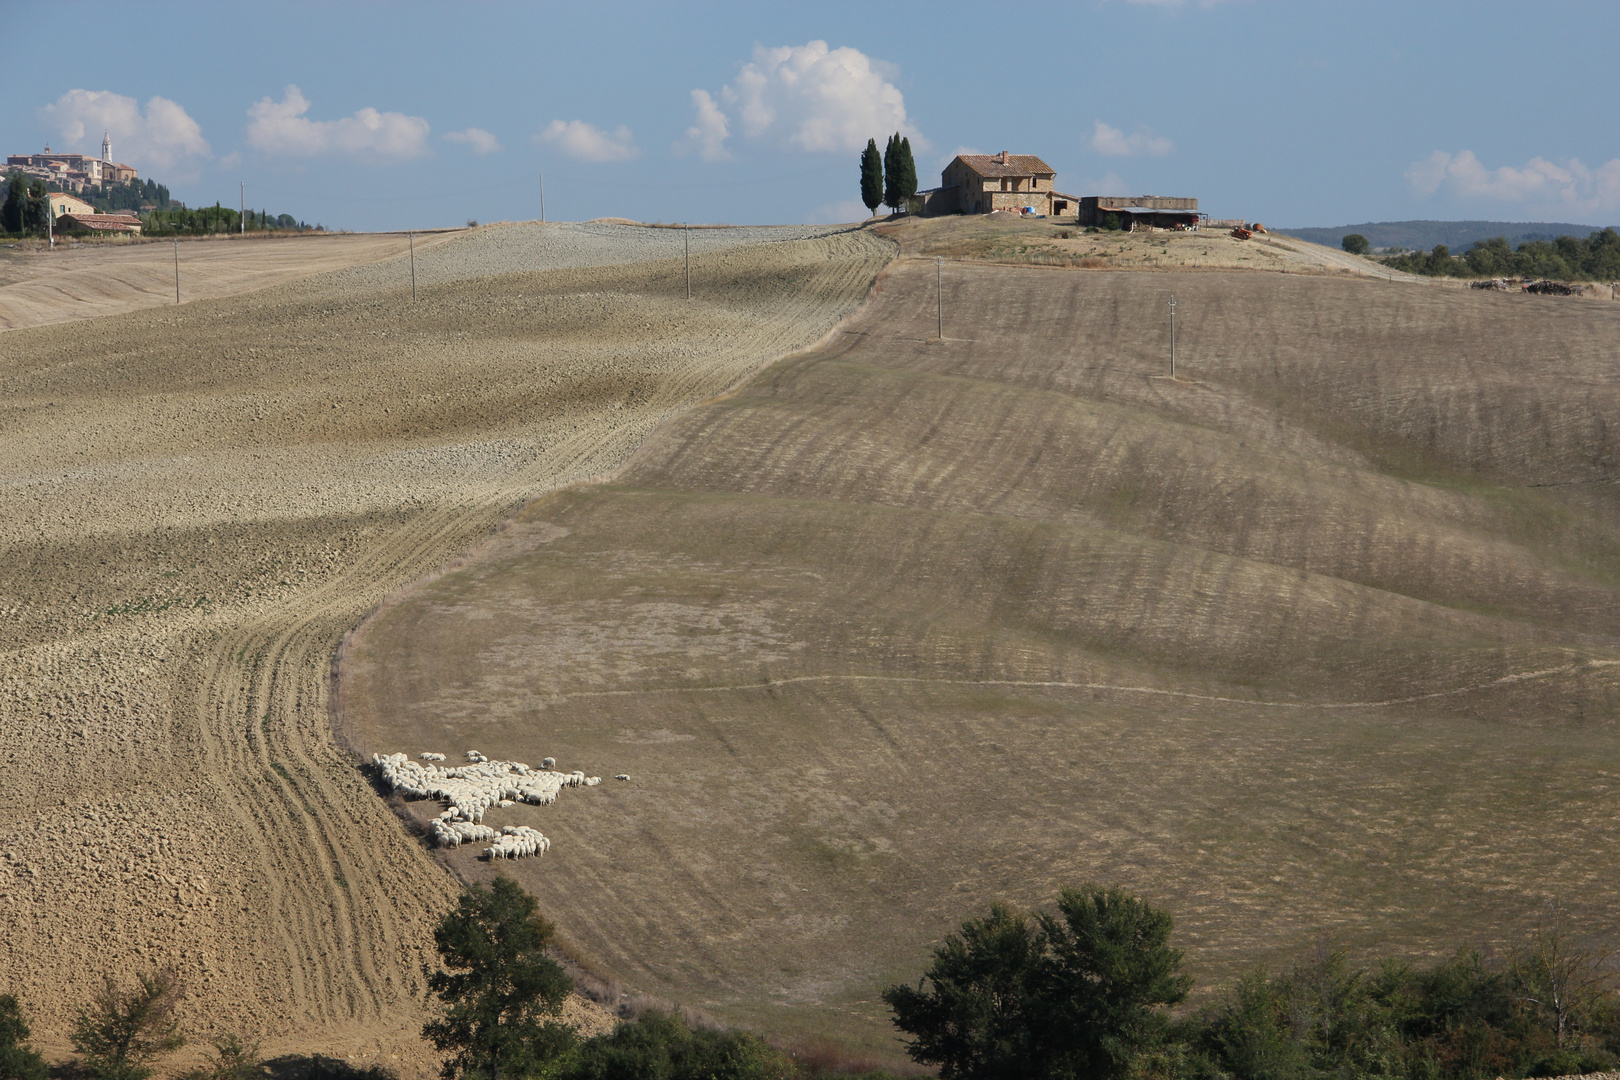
{"x": 1140, "y": 211}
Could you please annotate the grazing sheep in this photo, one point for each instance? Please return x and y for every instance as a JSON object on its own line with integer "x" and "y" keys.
{"x": 469, "y": 791}
{"x": 548, "y": 763}
{"x": 622, "y": 776}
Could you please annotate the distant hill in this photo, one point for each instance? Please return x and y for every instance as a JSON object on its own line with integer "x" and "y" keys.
{"x": 1456, "y": 235}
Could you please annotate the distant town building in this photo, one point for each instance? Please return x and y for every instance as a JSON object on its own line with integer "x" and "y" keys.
{"x": 984, "y": 183}
{"x": 74, "y": 172}
{"x": 1133, "y": 212}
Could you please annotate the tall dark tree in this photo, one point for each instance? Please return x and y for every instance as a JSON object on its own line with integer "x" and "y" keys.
{"x": 121, "y": 1032}
{"x": 37, "y": 209}
{"x": 907, "y": 184}
{"x": 504, "y": 994}
{"x": 976, "y": 1020}
{"x": 1078, "y": 993}
{"x": 18, "y": 1060}
{"x": 871, "y": 177}
{"x": 891, "y": 172}
{"x": 11, "y": 212}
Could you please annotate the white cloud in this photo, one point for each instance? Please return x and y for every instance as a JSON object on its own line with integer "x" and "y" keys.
{"x": 840, "y": 212}
{"x": 586, "y": 142}
{"x": 1110, "y": 183}
{"x": 708, "y": 134}
{"x": 807, "y": 97}
{"x": 282, "y": 128}
{"x": 163, "y": 138}
{"x": 1112, "y": 142}
{"x": 1539, "y": 183}
{"x": 477, "y": 140}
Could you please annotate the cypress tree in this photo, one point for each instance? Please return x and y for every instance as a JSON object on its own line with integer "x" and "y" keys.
{"x": 871, "y": 177}
{"x": 11, "y": 214}
{"x": 908, "y": 173}
{"x": 891, "y": 172}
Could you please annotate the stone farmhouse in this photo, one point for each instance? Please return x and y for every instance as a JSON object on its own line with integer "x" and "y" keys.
{"x": 983, "y": 183}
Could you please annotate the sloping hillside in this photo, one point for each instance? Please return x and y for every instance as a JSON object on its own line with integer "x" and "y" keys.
{"x": 1322, "y": 638}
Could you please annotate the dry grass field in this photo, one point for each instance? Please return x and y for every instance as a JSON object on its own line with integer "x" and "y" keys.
{"x": 1322, "y": 638}
{"x": 200, "y": 500}
{"x": 87, "y": 280}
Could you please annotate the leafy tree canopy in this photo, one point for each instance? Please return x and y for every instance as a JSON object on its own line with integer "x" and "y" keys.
{"x": 502, "y": 992}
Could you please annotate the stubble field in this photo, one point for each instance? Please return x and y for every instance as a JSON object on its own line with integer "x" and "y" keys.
{"x": 201, "y": 499}
{"x": 1322, "y": 638}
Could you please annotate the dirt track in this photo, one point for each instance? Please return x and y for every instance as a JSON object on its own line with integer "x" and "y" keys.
{"x": 1322, "y": 637}
{"x": 201, "y": 500}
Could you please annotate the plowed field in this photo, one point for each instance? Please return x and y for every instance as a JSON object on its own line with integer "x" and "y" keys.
{"x": 1321, "y": 638}
{"x": 200, "y": 500}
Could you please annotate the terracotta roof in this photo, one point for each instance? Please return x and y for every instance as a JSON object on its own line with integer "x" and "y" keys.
{"x": 1005, "y": 164}
{"x": 104, "y": 222}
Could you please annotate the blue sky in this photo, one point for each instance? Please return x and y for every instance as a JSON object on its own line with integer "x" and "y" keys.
{"x": 385, "y": 116}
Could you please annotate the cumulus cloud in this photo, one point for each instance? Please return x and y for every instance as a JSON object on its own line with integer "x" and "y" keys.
{"x": 477, "y": 140}
{"x": 587, "y": 142}
{"x": 1539, "y": 182}
{"x": 807, "y": 97}
{"x": 162, "y": 137}
{"x": 708, "y": 134}
{"x": 280, "y": 127}
{"x": 1112, "y": 142}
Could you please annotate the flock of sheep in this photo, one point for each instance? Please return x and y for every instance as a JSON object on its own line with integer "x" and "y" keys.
{"x": 471, "y": 789}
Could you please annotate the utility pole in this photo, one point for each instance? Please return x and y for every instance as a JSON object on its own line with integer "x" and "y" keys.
{"x": 50, "y": 221}
{"x": 1172, "y": 335}
{"x": 411, "y": 239}
{"x": 542, "y": 198}
{"x": 241, "y": 217}
{"x": 686, "y": 235}
{"x": 177, "y": 271}
{"x": 939, "y": 298}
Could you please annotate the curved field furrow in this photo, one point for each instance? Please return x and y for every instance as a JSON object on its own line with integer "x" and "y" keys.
{"x": 205, "y": 499}
{"x": 1298, "y": 643}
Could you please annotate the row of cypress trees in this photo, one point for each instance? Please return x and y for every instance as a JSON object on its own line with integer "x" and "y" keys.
{"x": 889, "y": 180}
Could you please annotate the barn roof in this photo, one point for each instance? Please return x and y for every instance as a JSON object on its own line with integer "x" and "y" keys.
{"x": 1005, "y": 164}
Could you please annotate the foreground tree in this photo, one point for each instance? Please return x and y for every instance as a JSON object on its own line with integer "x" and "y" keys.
{"x": 1565, "y": 985}
{"x": 121, "y": 1032}
{"x": 18, "y": 1060}
{"x": 1077, "y": 993}
{"x": 13, "y": 210}
{"x": 503, "y": 992}
{"x": 977, "y": 1020}
{"x": 871, "y": 177}
{"x": 1356, "y": 244}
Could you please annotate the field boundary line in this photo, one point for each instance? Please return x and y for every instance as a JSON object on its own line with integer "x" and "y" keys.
{"x": 1057, "y": 684}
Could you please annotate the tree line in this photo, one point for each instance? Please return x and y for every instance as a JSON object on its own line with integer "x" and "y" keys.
{"x": 1568, "y": 258}
{"x": 27, "y": 206}
{"x": 1083, "y": 991}
{"x": 890, "y": 179}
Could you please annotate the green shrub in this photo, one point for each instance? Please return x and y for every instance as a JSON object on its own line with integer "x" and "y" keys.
{"x": 18, "y": 1061}
{"x": 661, "y": 1046}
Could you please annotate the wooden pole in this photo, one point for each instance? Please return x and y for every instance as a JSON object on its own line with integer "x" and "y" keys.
{"x": 542, "y": 198}
{"x": 939, "y": 297}
{"x": 1172, "y": 335}
{"x": 241, "y": 217}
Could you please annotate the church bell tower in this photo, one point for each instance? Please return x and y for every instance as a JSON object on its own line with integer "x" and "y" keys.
{"x": 106, "y": 146}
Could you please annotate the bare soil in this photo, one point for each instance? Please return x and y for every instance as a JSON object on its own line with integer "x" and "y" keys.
{"x": 85, "y": 280}
{"x": 200, "y": 500}
{"x": 1321, "y": 637}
